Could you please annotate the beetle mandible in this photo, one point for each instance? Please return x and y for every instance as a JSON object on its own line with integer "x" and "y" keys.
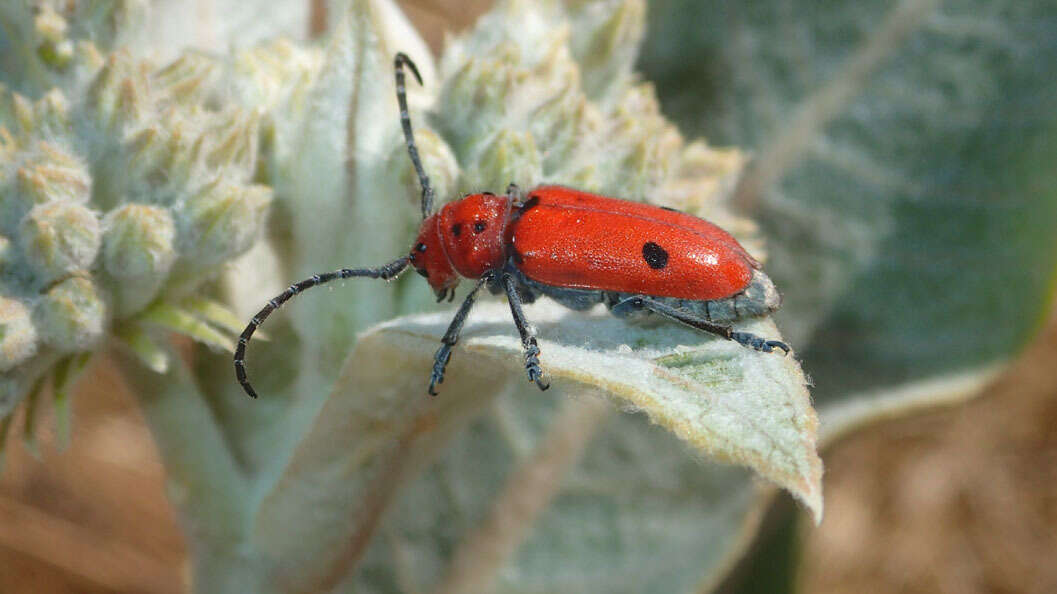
{"x": 577, "y": 248}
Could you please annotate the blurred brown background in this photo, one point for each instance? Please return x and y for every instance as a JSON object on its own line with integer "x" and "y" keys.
{"x": 960, "y": 500}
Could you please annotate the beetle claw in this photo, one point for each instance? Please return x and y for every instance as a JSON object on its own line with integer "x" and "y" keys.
{"x": 535, "y": 374}
{"x": 777, "y": 344}
{"x": 759, "y": 344}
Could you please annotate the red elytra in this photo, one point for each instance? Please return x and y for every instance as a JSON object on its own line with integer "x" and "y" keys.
{"x": 577, "y": 248}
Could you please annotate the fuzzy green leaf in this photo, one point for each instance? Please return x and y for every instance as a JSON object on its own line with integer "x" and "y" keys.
{"x": 379, "y": 429}
{"x": 179, "y": 320}
{"x": 217, "y": 314}
{"x": 724, "y": 400}
{"x": 146, "y": 350}
{"x": 63, "y": 380}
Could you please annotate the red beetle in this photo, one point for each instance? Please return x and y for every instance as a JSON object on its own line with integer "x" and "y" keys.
{"x": 577, "y": 248}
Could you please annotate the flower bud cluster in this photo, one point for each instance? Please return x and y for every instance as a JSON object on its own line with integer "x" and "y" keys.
{"x": 125, "y": 187}
{"x": 546, "y": 92}
{"x": 54, "y": 34}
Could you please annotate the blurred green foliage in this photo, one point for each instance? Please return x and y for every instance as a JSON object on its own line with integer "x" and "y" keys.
{"x": 913, "y": 235}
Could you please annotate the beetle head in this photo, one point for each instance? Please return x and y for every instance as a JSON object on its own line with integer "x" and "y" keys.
{"x": 429, "y": 260}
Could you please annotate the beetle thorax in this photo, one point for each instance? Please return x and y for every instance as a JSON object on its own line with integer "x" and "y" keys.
{"x": 472, "y": 231}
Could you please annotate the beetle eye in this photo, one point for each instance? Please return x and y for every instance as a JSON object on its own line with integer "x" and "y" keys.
{"x": 421, "y": 247}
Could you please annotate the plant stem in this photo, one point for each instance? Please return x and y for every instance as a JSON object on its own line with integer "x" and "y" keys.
{"x": 203, "y": 480}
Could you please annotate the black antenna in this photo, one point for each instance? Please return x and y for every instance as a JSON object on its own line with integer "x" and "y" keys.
{"x": 385, "y": 272}
{"x": 409, "y": 137}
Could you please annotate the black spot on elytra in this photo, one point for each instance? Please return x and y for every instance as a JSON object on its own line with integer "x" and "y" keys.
{"x": 456, "y": 229}
{"x": 526, "y": 206}
{"x": 479, "y": 226}
{"x": 654, "y": 255}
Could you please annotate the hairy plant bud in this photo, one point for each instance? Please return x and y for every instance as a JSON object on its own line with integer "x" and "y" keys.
{"x": 70, "y": 317}
{"x": 51, "y": 175}
{"x": 118, "y": 96}
{"x": 607, "y": 42}
{"x": 220, "y": 221}
{"x": 643, "y": 147}
{"x": 475, "y": 99}
{"x": 18, "y": 337}
{"x": 52, "y": 114}
{"x": 271, "y": 73}
{"x": 18, "y": 113}
{"x": 54, "y": 48}
{"x": 437, "y": 159}
{"x": 187, "y": 79}
{"x": 235, "y": 144}
{"x": 512, "y": 156}
{"x": 59, "y": 238}
{"x": 564, "y": 120}
{"x": 138, "y": 251}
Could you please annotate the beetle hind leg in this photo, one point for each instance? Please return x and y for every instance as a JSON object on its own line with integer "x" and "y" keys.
{"x": 746, "y": 339}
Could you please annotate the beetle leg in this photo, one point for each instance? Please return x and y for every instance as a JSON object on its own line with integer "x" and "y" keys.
{"x": 528, "y": 338}
{"x": 514, "y": 192}
{"x": 743, "y": 338}
{"x": 443, "y": 354}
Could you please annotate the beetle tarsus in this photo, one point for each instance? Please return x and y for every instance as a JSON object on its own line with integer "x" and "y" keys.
{"x": 440, "y": 362}
{"x": 532, "y": 364}
{"x": 760, "y": 344}
{"x": 777, "y": 344}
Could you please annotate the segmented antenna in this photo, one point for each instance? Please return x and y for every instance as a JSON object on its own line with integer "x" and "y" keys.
{"x": 409, "y": 137}
{"x": 385, "y": 272}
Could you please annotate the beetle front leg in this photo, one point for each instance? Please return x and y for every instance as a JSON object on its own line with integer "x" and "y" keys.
{"x": 451, "y": 337}
{"x": 528, "y": 338}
